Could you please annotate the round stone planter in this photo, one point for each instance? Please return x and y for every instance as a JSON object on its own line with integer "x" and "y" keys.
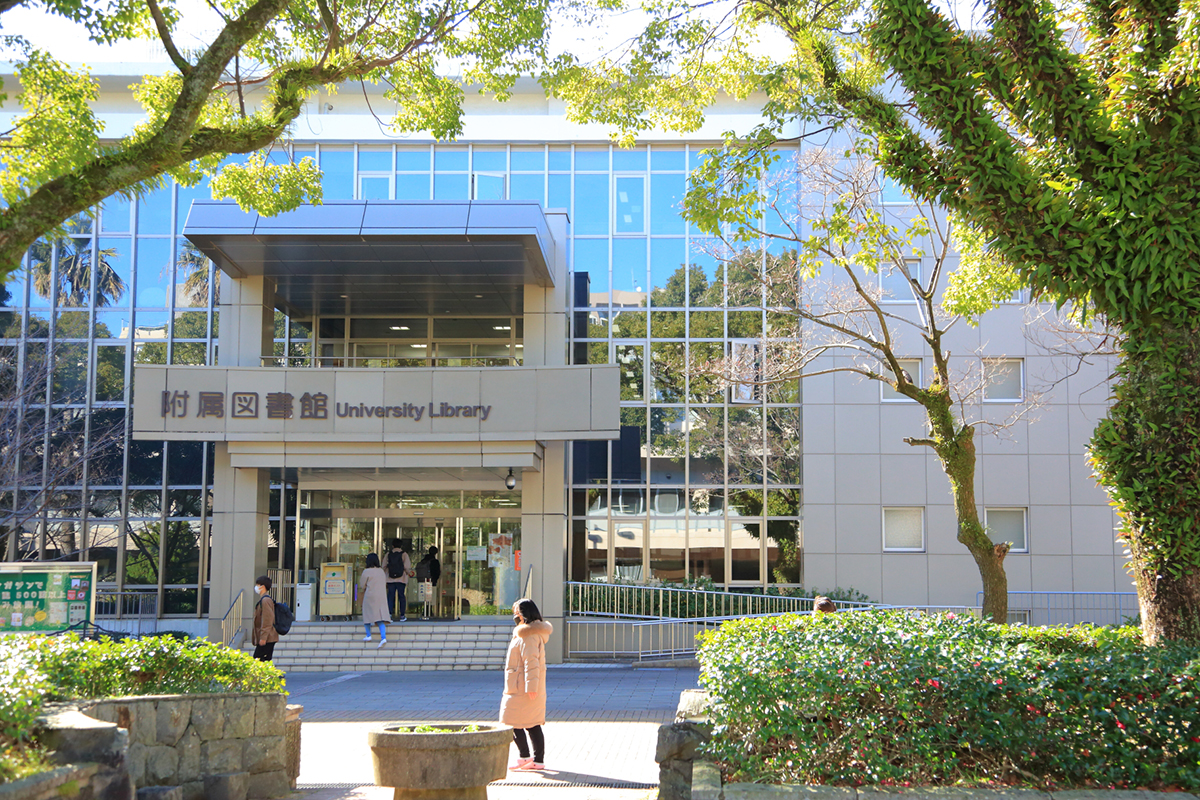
{"x": 455, "y": 765}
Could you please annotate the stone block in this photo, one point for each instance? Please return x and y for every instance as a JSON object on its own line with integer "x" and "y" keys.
{"x": 268, "y": 784}
{"x": 171, "y": 720}
{"x": 954, "y": 793}
{"x": 693, "y": 704}
{"x": 139, "y": 719}
{"x": 822, "y": 792}
{"x": 292, "y": 743}
{"x": 193, "y": 790}
{"x": 135, "y": 761}
{"x": 220, "y": 757}
{"x": 239, "y": 717}
{"x": 679, "y": 740}
{"x": 269, "y": 713}
{"x": 226, "y": 786}
{"x": 675, "y": 780}
{"x": 162, "y": 763}
{"x": 706, "y": 781}
{"x": 264, "y": 754}
{"x": 160, "y": 793}
{"x": 208, "y": 717}
{"x": 189, "y": 757}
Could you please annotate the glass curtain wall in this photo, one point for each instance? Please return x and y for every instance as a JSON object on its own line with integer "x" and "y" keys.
{"x": 716, "y": 483}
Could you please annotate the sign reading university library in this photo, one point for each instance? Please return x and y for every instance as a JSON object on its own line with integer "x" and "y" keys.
{"x": 310, "y": 404}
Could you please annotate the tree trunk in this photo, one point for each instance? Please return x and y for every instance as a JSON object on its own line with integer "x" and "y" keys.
{"x": 1146, "y": 455}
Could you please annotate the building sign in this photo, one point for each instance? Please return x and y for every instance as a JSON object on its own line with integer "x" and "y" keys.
{"x": 41, "y": 598}
{"x": 345, "y": 404}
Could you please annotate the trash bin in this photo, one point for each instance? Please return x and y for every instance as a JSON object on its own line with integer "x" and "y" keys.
{"x": 304, "y": 598}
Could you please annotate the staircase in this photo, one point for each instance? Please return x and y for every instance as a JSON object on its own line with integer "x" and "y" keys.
{"x": 412, "y": 645}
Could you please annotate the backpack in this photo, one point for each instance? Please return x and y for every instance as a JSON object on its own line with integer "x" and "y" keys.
{"x": 283, "y": 618}
{"x": 395, "y": 564}
{"x": 424, "y": 571}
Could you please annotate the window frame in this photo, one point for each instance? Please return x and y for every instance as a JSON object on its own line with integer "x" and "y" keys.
{"x": 1024, "y": 522}
{"x": 987, "y": 382}
{"x": 883, "y": 526}
{"x": 899, "y": 398}
{"x": 911, "y": 298}
{"x": 475, "y": 176}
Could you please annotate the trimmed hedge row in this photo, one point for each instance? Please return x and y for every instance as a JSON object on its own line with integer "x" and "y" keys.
{"x": 898, "y": 698}
{"x": 39, "y": 669}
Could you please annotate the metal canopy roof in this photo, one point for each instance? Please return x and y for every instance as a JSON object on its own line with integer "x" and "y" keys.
{"x": 384, "y": 257}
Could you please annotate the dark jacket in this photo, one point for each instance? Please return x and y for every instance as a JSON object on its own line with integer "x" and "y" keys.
{"x": 430, "y": 566}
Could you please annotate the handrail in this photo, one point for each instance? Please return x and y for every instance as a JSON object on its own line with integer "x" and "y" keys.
{"x": 233, "y": 617}
{"x": 667, "y": 602}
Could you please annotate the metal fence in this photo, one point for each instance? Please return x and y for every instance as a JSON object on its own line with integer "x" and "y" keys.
{"x": 282, "y": 587}
{"x": 1071, "y": 608}
{"x": 232, "y": 630}
{"x": 140, "y": 606}
{"x": 666, "y": 602}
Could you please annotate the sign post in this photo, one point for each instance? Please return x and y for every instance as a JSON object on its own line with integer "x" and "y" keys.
{"x": 41, "y": 597}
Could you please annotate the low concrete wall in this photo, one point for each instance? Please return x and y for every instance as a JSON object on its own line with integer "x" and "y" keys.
{"x": 73, "y": 781}
{"x": 178, "y": 740}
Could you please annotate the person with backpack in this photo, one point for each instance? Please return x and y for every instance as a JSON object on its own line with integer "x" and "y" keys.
{"x": 399, "y": 570}
{"x": 374, "y": 598}
{"x": 263, "y": 631}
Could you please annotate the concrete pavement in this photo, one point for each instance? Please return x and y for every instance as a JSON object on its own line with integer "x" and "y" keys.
{"x": 602, "y": 724}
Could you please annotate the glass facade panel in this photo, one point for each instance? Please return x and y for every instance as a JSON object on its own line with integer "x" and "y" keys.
{"x": 337, "y": 174}
{"x": 451, "y": 186}
{"x": 412, "y": 187}
{"x": 631, "y": 205}
{"x": 409, "y": 159}
{"x": 591, "y": 205}
{"x": 666, "y": 198}
{"x": 527, "y": 187}
{"x": 528, "y": 160}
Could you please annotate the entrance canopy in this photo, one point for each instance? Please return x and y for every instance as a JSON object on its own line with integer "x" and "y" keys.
{"x": 376, "y": 257}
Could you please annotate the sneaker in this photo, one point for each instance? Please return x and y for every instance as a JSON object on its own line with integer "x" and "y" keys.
{"x": 382, "y": 642}
{"x": 534, "y": 766}
{"x": 522, "y": 763}
{"x": 404, "y": 619}
{"x": 366, "y": 638}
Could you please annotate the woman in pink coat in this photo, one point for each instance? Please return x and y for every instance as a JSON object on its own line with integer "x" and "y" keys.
{"x": 524, "y": 702}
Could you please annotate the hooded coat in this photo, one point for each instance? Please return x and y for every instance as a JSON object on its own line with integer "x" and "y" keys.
{"x": 524, "y": 672}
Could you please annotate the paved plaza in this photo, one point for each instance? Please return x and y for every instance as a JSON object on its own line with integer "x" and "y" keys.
{"x": 602, "y": 724}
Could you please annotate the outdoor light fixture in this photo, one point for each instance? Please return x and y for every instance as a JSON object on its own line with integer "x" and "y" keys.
{"x": 510, "y": 482}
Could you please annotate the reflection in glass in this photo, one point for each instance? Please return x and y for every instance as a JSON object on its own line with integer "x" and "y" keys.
{"x": 744, "y": 550}
{"x": 706, "y": 548}
{"x": 630, "y": 207}
{"x": 337, "y": 174}
{"x": 192, "y": 271}
{"x": 706, "y": 444}
{"x": 667, "y": 275}
{"x": 591, "y": 205}
{"x": 628, "y": 539}
{"x": 154, "y": 211}
{"x": 527, "y": 187}
{"x": 666, "y": 201}
{"x": 785, "y": 552}
{"x": 668, "y": 445}
{"x": 412, "y": 187}
{"x": 629, "y": 325}
{"x": 785, "y": 447}
{"x": 745, "y": 448}
{"x": 453, "y": 186}
{"x": 668, "y": 540}
{"x": 595, "y": 550}
{"x": 629, "y": 271}
{"x": 153, "y": 272}
{"x": 668, "y": 370}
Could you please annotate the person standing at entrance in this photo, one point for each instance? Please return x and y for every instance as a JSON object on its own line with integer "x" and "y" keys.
{"x": 263, "y": 631}
{"x": 429, "y": 569}
{"x": 372, "y": 588}
{"x": 399, "y": 570}
{"x": 523, "y": 705}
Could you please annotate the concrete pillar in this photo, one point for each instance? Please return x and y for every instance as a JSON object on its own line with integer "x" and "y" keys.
{"x": 544, "y": 539}
{"x": 240, "y": 527}
{"x": 241, "y": 496}
{"x": 547, "y": 308}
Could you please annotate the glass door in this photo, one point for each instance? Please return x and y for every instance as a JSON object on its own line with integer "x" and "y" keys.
{"x": 356, "y": 537}
{"x": 490, "y": 555}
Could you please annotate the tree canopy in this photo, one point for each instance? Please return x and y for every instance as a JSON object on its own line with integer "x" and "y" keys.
{"x": 1063, "y": 137}
{"x": 239, "y": 93}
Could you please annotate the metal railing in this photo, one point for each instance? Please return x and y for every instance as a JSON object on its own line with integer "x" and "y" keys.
{"x": 232, "y": 630}
{"x": 138, "y": 605}
{"x": 376, "y": 362}
{"x": 1071, "y": 608}
{"x": 666, "y": 602}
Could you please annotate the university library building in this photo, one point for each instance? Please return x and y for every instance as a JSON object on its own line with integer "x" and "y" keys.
{"x": 485, "y": 346}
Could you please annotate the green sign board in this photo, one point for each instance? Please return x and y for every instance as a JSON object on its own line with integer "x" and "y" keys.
{"x": 41, "y": 598}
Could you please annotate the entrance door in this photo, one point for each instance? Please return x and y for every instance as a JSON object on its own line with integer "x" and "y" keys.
{"x": 356, "y": 538}
{"x": 418, "y": 536}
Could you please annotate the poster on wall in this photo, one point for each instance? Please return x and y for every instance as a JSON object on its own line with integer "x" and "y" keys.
{"x": 41, "y": 598}
{"x": 500, "y": 549}
{"x": 477, "y": 553}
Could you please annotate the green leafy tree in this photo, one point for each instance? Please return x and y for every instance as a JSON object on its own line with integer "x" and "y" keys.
{"x": 1064, "y": 140}
{"x": 239, "y": 93}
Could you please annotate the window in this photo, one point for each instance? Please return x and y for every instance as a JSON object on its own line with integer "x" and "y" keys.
{"x": 374, "y": 187}
{"x": 913, "y": 367}
{"x": 894, "y": 286}
{"x": 904, "y": 530}
{"x": 1007, "y": 525}
{"x": 631, "y": 205}
{"x": 487, "y": 186}
{"x": 892, "y": 193}
{"x": 744, "y": 367}
{"x": 1003, "y": 380}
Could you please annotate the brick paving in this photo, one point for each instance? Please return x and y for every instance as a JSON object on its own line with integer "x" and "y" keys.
{"x": 602, "y": 724}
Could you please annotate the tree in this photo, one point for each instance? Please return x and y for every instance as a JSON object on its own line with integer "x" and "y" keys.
{"x": 827, "y": 284}
{"x": 240, "y": 93}
{"x": 70, "y": 284}
{"x": 1064, "y": 140}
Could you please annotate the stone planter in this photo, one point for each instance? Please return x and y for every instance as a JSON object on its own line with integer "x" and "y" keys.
{"x": 455, "y": 765}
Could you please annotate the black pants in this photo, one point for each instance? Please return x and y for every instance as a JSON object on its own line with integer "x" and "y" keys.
{"x": 264, "y": 652}
{"x": 396, "y": 596}
{"x": 539, "y": 743}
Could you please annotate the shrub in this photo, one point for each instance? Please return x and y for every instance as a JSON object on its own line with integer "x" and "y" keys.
{"x": 892, "y": 697}
{"x": 37, "y": 669}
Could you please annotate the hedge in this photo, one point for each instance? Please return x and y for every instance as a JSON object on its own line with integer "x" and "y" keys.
{"x": 898, "y": 698}
{"x": 39, "y": 669}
